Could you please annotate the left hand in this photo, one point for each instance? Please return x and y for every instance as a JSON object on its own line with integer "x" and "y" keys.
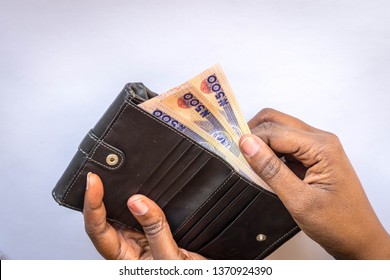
{"x": 115, "y": 242}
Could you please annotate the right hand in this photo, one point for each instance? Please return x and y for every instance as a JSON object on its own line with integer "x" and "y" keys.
{"x": 317, "y": 184}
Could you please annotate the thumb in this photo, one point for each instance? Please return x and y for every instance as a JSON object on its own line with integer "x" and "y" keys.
{"x": 269, "y": 167}
{"x": 155, "y": 226}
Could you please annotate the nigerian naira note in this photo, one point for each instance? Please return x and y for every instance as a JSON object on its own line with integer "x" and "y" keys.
{"x": 166, "y": 115}
{"x": 183, "y": 125}
{"x": 188, "y": 102}
{"x": 214, "y": 86}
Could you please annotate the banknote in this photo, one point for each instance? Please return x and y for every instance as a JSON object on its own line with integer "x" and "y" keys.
{"x": 165, "y": 114}
{"x": 215, "y": 87}
{"x": 186, "y": 101}
{"x": 206, "y": 110}
{"x": 171, "y": 118}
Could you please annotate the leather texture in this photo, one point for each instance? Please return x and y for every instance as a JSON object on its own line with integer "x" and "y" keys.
{"x": 210, "y": 208}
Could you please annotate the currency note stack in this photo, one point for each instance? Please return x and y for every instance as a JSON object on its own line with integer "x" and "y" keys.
{"x": 206, "y": 110}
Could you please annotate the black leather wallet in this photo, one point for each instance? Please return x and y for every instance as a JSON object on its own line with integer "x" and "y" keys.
{"x": 211, "y": 209}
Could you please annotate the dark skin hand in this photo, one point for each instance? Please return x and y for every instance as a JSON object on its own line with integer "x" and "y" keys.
{"x": 315, "y": 181}
{"x": 317, "y": 184}
{"x": 114, "y": 242}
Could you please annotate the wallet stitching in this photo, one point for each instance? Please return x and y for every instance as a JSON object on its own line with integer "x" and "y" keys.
{"x": 108, "y": 132}
{"x": 277, "y": 241}
{"x": 214, "y": 156}
{"x": 94, "y": 137}
{"x": 99, "y": 163}
{"x": 204, "y": 203}
{"x": 101, "y": 142}
{"x": 66, "y": 191}
{"x": 71, "y": 206}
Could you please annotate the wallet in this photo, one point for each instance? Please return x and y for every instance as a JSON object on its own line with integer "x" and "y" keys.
{"x": 211, "y": 209}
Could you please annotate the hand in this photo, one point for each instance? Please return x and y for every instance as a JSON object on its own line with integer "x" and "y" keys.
{"x": 115, "y": 242}
{"x": 317, "y": 184}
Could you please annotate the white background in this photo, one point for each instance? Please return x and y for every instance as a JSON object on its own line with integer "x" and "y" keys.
{"x": 199, "y": 270}
{"x": 63, "y": 62}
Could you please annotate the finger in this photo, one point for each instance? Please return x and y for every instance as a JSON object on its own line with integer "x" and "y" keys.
{"x": 274, "y": 116}
{"x": 270, "y": 168}
{"x": 101, "y": 233}
{"x": 302, "y": 145}
{"x": 155, "y": 226}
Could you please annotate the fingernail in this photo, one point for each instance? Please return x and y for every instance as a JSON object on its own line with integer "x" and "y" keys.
{"x": 138, "y": 207}
{"x": 249, "y": 146}
{"x": 88, "y": 180}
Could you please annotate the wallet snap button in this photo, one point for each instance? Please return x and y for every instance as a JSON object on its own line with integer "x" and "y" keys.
{"x": 112, "y": 159}
{"x": 261, "y": 237}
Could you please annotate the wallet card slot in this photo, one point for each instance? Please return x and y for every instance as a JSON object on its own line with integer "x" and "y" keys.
{"x": 205, "y": 207}
{"x": 179, "y": 157}
{"x": 166, "y": 164}
{"x": 197, "y": 228}
{"x": 223, "y": 219}
{"x": 187, "y": 165}
{"x": 181, "y": 178}
{"x": 265, "y": 216}
{"x": 191, "y": 194}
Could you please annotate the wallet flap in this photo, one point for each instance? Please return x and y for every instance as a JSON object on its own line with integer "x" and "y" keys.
{"x": 100, "y": 152}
